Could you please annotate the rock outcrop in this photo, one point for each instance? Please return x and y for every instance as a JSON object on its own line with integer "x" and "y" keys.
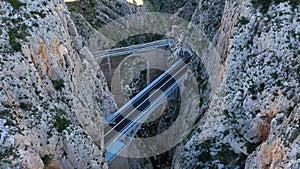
{"x": 252, "y": 119}
{"x": 90, "y": 16}
{"x": 53, "y": 96}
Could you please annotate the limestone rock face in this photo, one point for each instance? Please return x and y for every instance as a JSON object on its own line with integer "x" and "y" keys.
{"x": 52, "y": 93}
{"x": 207, "y": 16}
{"x": 253, "y": 114}
{"x": 101, "y": 12}
{"x": 90, "y": 16}
{"x": 251, "y": 60}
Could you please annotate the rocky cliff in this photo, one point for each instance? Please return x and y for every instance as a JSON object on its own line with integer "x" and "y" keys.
{"x": 253, "y": 116}
{"x": 90, "y": 16}
{"x": 252, "y": 64}
{"x": 52, "y": 93}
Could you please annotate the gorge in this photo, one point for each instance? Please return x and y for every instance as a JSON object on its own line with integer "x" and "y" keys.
{"x": 55, "y": 96}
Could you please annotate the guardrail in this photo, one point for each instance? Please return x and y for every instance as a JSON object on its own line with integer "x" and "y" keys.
{"x": 116, "y": 146}
{"x": 133, "y": 48}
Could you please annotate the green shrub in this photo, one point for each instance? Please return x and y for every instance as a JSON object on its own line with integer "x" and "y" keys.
{"x": 7, "y": 152}
{"x": 87, "y": 9}
{"x": 23, "y": 27}
{"x": 274, "y": 75}
{"x": 294, "y": 3}
{"x": 252, "y": 89}
{"x": 61, "y": 111}
{"x": 58, "y": 84}
{"x": 41, "y": 14}
{"x": 17, "y": 46}
{"x": 294, "y": 135}
{"x": 13, "y": 35}
{"x": 261, "y": 87}
{"x": 243, "y": 20}
{"x": 254, "y": 97}
{"x": 118, "y": 4}
{"x": 226, "y": 112}
{"x": 16, "y": 4}
{"x": 251, "y": 146}
{"x": 204, "y": 156}
{"x": 9, "y": 123}
{"x": 5, "y": 112}
{"x": 204, "y": 148}
{"x": 24, "y": 106}
{"x": 265, "y": 4}
{"x": 289, "y": 110}
{"x": 46, "y": 159}
{"x": 61, "y": 123}
{"x": 226, "y": 155}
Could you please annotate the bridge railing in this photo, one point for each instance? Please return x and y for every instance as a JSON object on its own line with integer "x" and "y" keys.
{"x": 133, "y": 48}
{"x": 116, "y": 146}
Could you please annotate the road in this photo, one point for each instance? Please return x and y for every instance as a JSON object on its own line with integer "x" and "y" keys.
{"x": 134, "y": 109}
{"x": 133, "y": 49}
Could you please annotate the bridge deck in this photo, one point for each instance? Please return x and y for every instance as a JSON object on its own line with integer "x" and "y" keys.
{"x": 131, "y": 114}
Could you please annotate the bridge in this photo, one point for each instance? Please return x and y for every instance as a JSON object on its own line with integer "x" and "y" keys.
{"x": 137, "y": 109}
{"x": 110, "y": 60}
{"x": 133, "y": 48}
